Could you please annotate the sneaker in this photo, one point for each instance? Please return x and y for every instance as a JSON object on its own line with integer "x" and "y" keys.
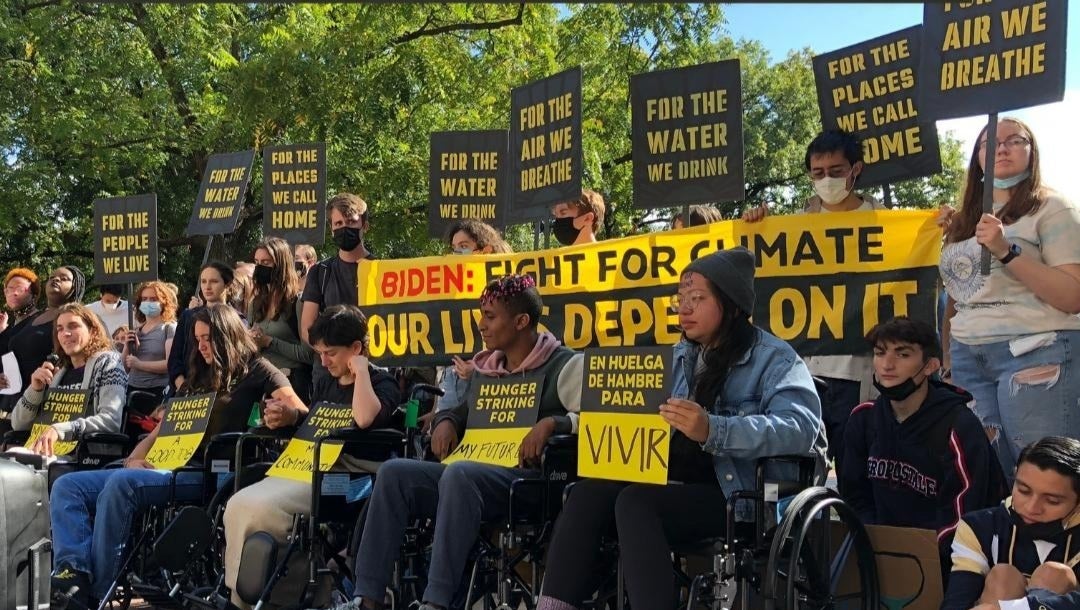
{"x": 70, "y": 590}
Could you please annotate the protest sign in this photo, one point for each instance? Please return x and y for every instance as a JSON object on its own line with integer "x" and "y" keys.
{"x": 871, "y": 89}
{"x": 221, "y": 194}
{"x": 296, "y": 462}
{"x": 60, "y": 406}
{"x": 294, "y": 192}
{"x": 545, "y": 144}
{"x": 125, "y": 240}
{"x": 687, "y": 135}
{"x": 183, "y": 426}
{"x": 502, "y": 410}
{"x": 822, "y": 282}
{"x": 467, "y": 178}
{"x": 621, "y": 434}
{"x": 980, "y": 57}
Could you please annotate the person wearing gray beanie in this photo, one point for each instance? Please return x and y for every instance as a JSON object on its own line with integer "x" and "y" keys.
{"x": 738, "y": 394}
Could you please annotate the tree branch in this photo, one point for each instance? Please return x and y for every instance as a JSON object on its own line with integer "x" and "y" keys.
{"x": 606, "y": 165}
{"x": 426, "y": 30}
{"x": 157, "y": 49}
{"x": 759, "y": 187}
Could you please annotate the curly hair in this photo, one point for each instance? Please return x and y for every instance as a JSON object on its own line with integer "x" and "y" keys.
{"x": 165, "y": 296}
{"x": 482, "y": 233}
{"x": 99, "y": 337}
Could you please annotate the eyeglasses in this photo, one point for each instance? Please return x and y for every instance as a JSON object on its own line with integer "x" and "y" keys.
{"x": 689, "y": 302}
{"x": 1012, "y": 143}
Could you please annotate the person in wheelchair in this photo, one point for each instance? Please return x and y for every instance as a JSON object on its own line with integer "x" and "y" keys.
{"x": 917, "y": 456}
{"x": 340, "y": 337}
{"x": 739, "y": 394}
{"x": 463, "y": 494}
{"x": 87, "y": 361}
{"x": 1024, "y": 552}
{"x": 92, "y": 512}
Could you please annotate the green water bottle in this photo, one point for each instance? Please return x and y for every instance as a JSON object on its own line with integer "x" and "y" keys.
{"x": 255, "y": 418}
{"x": 412, "y": 408}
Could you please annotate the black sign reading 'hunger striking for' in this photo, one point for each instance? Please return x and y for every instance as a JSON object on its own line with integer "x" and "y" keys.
{"x": 294, "y": 189}
{"x": 221, "y": 194}
{"x": 545, "y": 144}
{"x": 125, "y": 240}
{"x": 467, "y": 178}
{"x": 871, "y": 89}
{"x": 687, "y": 135}
{"x": 981, "y": 57}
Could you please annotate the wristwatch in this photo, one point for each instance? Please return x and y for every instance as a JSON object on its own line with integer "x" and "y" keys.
{"x": 1014, "y": 251}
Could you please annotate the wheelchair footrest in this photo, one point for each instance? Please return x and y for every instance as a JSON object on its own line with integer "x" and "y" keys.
{"x": 258, "y": 561}
{"x": 154, "y": 597}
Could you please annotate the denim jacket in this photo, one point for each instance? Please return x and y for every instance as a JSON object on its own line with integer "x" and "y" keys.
{"x": 768, "y": 407}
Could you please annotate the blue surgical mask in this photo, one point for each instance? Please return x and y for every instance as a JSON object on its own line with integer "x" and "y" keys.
{"x": 1008, "y": 183}
{"x": 150, "y": 308}
{"x": 465, "y": 250}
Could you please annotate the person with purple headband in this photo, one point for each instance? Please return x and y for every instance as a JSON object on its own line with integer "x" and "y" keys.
{"x": 461, "y": 495}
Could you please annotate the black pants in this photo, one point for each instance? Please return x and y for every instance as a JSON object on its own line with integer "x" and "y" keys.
{"x": 648, "y": 519}
{"x": 840, "y": 397}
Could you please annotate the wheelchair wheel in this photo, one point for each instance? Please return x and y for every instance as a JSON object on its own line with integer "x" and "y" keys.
{"x": 821, "y": 557}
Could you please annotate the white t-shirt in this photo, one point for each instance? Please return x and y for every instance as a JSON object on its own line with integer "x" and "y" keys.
{"x": 998, "y": 307}
{"x": 849, "y": 367}
{"x": 113, "y": 317}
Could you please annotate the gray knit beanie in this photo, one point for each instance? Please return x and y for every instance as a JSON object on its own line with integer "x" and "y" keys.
{"x": 732, "y": 272}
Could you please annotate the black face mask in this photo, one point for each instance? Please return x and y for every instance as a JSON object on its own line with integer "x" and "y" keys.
{"x": 1038, "y": 531}
{"x": 900, "y": 391}
{"x": 301, "y": 268}
{"x": 564, "y": 231}
{"x": 262, "y": 274}
{"x": 348, "y": 238}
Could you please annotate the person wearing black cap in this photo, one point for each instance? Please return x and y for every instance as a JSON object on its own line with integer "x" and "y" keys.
{"x": 739, "y": 394}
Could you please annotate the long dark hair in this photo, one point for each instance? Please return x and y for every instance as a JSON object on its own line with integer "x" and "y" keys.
{"x": 737, "y": 336}
{"x": 233, "y": 350}
{"x": 278, "y": 296}
{"x": 1024, "y": 198}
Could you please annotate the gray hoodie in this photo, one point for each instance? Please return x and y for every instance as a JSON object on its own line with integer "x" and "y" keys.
{"x": 105, "y": 377}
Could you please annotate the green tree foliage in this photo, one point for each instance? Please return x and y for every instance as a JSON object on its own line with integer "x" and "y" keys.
{"x": 105, "y": 100}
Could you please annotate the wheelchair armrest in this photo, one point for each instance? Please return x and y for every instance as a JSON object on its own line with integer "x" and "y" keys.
{"x": 115, "y": 438}
{"x": 268, "y": 433}
{"x": 382, "y": 436}
{"x": 558, "y": 441}
{"x": 807, "y": 465}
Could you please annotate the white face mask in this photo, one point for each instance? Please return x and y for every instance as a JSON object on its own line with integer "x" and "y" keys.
{"x": 832, "y": 190}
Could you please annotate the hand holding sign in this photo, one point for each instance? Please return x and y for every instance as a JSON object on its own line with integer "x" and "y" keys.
{"x": 990, "y": 232}
{"x": 444, "y": 439}
{"x": 532, "y": 447}
{"x": 46, "y": 443}
{"x": 687, "y": 417}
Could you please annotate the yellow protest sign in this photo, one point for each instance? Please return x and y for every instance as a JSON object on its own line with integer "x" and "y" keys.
{"x": 823, "y": 280}
{"x": 621, "y": 435}
{"x": 502, "y": 410}
{"x": 183, "y": 426}
{"x": 60, "y": 406}
{"x": 297, "y": 460}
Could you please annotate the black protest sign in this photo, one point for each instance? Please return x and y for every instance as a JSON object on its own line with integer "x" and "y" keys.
{"x": 221, "y": 194}
{"x": 871, "y": 89}
{"x": 297, "y": 461}
{"x": 467, "y": 178}
{"x": 622, "y": 435}
{"x": 502, "y": 410}
{"x": 687, "y": 135}
{"x": 545, "y": 144}
{"x": 294, "y": 192}
{"x": 60, "y": 406}
{"x": 181, "y": 431}
{"x": 125, "y": 239}
{"x": 626, "y": 379}
{"x": 981, "y": 57}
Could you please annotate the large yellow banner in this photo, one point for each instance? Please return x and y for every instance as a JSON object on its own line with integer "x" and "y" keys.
{"x": 823, "y": 280}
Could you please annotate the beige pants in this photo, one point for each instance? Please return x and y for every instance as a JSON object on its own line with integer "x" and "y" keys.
{"x": 268, "y": 506}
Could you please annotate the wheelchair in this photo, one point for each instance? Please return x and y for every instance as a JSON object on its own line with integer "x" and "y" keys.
{"x": 318, "y": 536}
{"x": 171, "y": 558}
